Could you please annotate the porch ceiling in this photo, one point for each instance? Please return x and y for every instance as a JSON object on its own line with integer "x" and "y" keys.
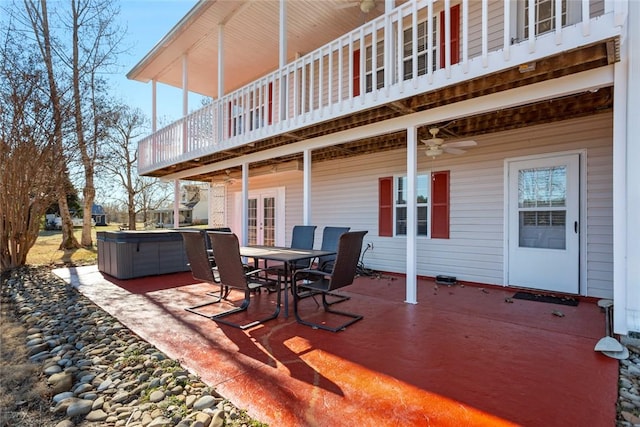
{"x": 310, "y": 24}
{"x": 552, "y": 110}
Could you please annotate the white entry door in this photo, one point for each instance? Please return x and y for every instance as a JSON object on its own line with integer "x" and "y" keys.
{"x": 543, "y": 227}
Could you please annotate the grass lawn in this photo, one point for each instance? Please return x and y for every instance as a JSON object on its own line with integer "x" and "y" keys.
{"x": 46, "y": 252}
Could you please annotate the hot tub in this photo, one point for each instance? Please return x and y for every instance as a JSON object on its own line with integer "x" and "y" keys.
{"x": 129, "y": 254}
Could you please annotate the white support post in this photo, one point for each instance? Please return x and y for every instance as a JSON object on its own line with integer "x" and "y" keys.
{"x": 244, "y": 217}
{"x": 626, "y": 193}
{"x": 185, "y": 103}
{"x": 176, "y": 203}
{"x": 306, "y": 188}
{"x": 154, "y": 107}
{"x": 412, "y": 166}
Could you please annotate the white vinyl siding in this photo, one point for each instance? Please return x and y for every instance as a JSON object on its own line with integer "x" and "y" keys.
{"x": 345, "y": 193}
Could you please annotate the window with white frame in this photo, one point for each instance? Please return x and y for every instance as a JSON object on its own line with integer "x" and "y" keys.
{"x": 545, "y": 15}
{"x": 422, "y": 49}
{"x": 422, "y": 201}
{"x": 379, "y": 66}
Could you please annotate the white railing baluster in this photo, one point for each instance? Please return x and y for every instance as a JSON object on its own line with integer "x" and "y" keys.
{"x": 400, "y": 50}
{"x": 485, "y": 33}
{"x": 351, "y": 70}
{"x": 430, "y": 41}
{"x": 307, "y": 89}
{"x": 363, "y": 66}
{"x": 506, "y": 35}
{"x": 586, "y": 22}
{"x": 414, "y": 42}
{"x": 532, "y": 26}
{"x": 465, "y": 36}
{"x": 447, "y": 37}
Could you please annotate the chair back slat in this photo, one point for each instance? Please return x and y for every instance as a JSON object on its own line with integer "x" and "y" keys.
{"x": 347, "y": 258}
{"x": 330, "y": 237}
{"x": 196, "y": 249}
{"x": 227, "y": 252}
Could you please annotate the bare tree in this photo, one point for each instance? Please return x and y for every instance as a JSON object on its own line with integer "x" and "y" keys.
{"x": 83, "y": 46}
{"x": 95, "y": 38}
{"x": 30, "y": 159}
{"x": 141, "y": 193}
{"x": 38, "y": 17}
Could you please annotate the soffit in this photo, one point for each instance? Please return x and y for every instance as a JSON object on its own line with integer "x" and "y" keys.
{"x": 251, "y": 34}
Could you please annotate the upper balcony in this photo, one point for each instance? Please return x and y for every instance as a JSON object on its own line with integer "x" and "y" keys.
{"x": 416, "y": 56}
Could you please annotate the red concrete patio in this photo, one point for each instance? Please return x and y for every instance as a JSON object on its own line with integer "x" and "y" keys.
{"x": 463, "y": 356}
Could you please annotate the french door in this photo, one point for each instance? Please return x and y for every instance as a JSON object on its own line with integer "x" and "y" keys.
{"x": 262, "y": 219}
{"x": 265, "y": 216}
{"x": 543, "y": 223}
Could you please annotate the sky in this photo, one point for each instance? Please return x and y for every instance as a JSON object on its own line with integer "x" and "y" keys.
{"x": 147, "y": 21}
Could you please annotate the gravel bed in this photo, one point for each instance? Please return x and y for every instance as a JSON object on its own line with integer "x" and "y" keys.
{"x": 99, "y": 372}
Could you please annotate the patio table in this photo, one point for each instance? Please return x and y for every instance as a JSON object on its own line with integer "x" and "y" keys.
{"x": 287, "y": 256}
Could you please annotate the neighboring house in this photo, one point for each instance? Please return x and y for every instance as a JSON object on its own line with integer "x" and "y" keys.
{"x": 332, "y": 114}
{"x": 193, "y": 207}
{"x": 98, "y": 214}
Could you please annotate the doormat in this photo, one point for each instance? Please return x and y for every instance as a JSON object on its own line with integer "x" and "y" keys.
{"x": 546, "y": 298}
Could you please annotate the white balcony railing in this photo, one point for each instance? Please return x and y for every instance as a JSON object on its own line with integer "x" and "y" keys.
{"x": 378, "y": 63}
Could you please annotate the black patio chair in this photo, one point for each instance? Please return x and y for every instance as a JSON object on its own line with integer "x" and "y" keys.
{"x": 302, "y": 237}
{"x": 203, "y": 267}
{"x": 330, "y": 237}
{"x": 234, "y": 275}
{"x": 320, "y": 282}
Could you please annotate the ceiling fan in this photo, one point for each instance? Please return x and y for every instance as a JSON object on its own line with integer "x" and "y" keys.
{"x": 436, "y": 146}
{"x": 365, "y": 6}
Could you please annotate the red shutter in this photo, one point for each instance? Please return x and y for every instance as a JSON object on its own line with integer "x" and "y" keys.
{"x": 440, "y": 205}
{"x": 455, "y": 35}
{"x": 270, "y": 102}
{"x": 356, "y": 72}
{"x": 385, "y": 207}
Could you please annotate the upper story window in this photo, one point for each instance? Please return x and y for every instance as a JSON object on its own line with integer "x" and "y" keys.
{"x": 379, "y": 71}
{"x": 422, "y": 201}
{"x": 545, "y": 16}
{"x": 422, "y": 46}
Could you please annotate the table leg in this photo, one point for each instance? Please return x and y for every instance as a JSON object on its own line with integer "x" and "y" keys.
{"x": 286, "y": 290}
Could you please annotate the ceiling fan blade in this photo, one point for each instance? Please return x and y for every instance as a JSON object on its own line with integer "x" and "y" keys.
{"x": 461, "y": 144}
{"x": 347, "y": 5}
{"x": 453, "y": 150}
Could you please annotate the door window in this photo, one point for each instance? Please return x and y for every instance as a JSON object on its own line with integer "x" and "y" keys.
{"x": 542, "y": 196}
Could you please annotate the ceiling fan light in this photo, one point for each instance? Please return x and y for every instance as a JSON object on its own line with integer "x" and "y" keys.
{"x": 367, "y": 5}
{"x": 433, "y": 151}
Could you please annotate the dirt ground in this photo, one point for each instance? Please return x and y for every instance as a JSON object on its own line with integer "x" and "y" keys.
{"x": 24, "y": 395}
